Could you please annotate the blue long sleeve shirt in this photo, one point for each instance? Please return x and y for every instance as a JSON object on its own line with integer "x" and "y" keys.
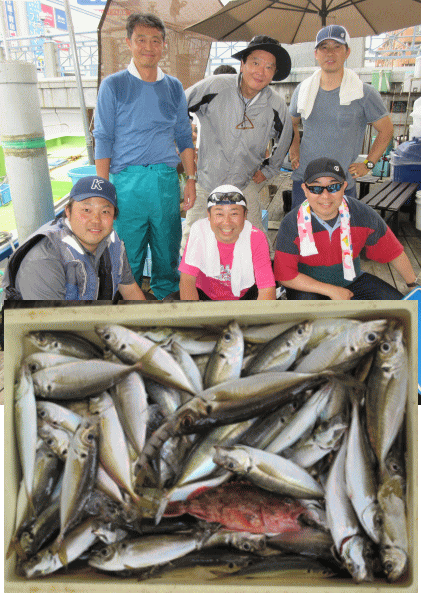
{"x": 141, "y": 123}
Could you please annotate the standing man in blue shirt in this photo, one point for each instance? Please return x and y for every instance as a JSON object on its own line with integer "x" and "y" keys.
{"x": 140, "y": 121}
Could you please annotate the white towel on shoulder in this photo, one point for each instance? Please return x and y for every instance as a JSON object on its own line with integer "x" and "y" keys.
{"x": 351, "y": 89}
{"x": 202, "y": 252}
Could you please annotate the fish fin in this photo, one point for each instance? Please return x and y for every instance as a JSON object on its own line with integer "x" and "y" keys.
{"x": 266, "y": 469}
{"x": 62, "y": 555}
{"x": 161, "y": 508}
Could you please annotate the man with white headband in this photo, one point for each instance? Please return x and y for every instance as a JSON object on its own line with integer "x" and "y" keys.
{"x": 226, "y": 257}
{"x": 319, "y": 243}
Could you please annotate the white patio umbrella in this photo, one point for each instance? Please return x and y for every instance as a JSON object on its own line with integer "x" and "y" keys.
{"x": 296, "y": 21}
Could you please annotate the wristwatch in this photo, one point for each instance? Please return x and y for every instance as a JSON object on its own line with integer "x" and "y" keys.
{"x": 368, "y": 164}
{"x": 194, "y": 177}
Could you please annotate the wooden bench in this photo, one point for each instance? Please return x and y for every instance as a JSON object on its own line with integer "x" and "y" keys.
{"x": 389, "y": 198}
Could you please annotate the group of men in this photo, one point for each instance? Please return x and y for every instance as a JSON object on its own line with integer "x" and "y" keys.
{"x": 143, "y": 129}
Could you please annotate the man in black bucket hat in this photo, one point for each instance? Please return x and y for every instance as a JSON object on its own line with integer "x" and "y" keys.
{"x": 77, "y": 256}
{"x": 239, "y": 114}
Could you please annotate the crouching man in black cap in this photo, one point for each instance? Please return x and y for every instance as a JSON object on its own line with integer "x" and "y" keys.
{"x": 77, "y": 256}
{"x": 239, "y": 114}
{"x": 319, "y": 243}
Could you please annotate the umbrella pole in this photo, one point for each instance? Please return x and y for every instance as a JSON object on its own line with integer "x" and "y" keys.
{"x": 323, "y": 13}
{"x": 79, "y": 83}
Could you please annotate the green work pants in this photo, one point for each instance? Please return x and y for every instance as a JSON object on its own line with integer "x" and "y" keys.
{"x": 148, "y": 200}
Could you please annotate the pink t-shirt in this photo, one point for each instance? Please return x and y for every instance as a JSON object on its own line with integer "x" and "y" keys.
{"x": 219, "y": 289}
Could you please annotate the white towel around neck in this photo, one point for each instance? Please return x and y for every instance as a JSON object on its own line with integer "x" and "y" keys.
{"x": 351, "y": 89}
{"x": 202, "y": 252}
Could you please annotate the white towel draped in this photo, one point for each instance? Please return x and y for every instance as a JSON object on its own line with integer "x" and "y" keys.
{"x": 351, "y": 89}
{"x": 202, "y": 252}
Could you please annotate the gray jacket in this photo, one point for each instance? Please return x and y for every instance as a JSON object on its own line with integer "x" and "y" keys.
{"x": 230, "y": 155}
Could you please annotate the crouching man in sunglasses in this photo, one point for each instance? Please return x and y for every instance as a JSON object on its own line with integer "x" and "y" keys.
{"x": 319, "y": 243}
{"x": 226, "y": 258}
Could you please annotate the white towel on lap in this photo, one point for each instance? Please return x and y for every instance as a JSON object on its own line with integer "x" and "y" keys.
{"x": 202, "y": 252}
{"x": 351, "y": 89}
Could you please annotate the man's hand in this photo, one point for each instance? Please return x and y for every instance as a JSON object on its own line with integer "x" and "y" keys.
{"x": 189, "y": 194}
{"x": 295, "y": 162}
{"x": 337, "y": 293}
{"x": 258, "y": 177}
{"x": 358, "y": 169}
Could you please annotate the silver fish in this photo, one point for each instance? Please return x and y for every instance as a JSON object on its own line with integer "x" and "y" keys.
{"x": 26, "y": 428}
{"x": 75, "y": 543}
{"x": 394, "y": 535}
{"x": 66, "y": 343}
{"x": 226, "y": 360}
{"x": 58, "y": 416}
{"x": 156, "y": 363}
{"x": 360, "y": 478}
{"x": 350, "y": 543}
{"x": 187, "y": 363}
{"x": 44, "y": 526}
{"x": 113, "y": 450}
{"x": 344, "y": 350}
{"x": 146, "y": 551}
{"x": 260, "y": 334}
{"x": 281, "y": 352}
{"x": 304, "y": 419}
{"x": 322, "y": 441}
{"x": 387, "y": 388}
{"x": 131, "y": 403}
{"x": 77, "y": 380}
{"x": 193, "y": 340}
{"x": 43, "y": 360}
{"x": 269, "y": 471}
{"x": 79, "y": 476}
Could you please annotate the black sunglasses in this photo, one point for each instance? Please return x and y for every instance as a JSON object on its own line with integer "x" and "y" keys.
{"x": 226, "y": 197}
{"x": 332, "y": 188}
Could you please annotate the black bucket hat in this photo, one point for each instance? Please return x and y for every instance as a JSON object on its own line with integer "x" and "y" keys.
{"x": 283, "y": 61}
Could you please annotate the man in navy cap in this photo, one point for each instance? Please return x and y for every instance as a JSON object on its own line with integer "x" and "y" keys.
{"x": 335, "y": 107}
{"x": 77, "y": 256}
{"x": 239, "y": 114}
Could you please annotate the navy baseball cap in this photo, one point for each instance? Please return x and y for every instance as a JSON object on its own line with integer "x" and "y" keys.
{"x": 323, "y": 168}
{"x": 335, "y": 32}
{"x": 94, "y": 187}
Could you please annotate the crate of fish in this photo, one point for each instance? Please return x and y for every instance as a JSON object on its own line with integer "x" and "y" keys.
{"x": 211, "y": 446}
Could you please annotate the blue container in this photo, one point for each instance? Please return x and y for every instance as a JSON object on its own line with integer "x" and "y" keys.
{"x": 5, "y": 196}
{"x": 79, "y": 172}
{"x": 406, "y": 161}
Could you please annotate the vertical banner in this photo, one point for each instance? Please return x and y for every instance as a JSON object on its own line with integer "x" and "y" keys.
{"x": 48, "y": 14}
{"x": 11, "y": 19}
{"x": 61, "y": 20}
{"x": 33, "y": 12}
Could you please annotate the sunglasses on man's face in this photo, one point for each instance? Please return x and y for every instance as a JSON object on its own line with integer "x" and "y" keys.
{"x": 332, "y": 188}
{"x": 225, "y": 197}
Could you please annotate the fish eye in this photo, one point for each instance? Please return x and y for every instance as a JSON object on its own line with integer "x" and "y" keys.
{"x": 300, "y": 331}
{"x": 246, "y": 547}
{"x": 50, "y": 442}
{"x": 227, "y": 336}
{"x": 83, "y": 455}
{"x": 42, "y": 413}
{"x": 123, "y": 346}
{"x": 231, "y": 465}
{"x": 103, "y": 552}
{"x": 123, "y": 545}
{"x": 90, "y": 437}
{"x": 64, "y": 452}
{"x": 107, "y": 336}
{"x": 49, "y": 387}
{"x": 385, "y": 347}
{"x": 388, "y": 567}
{"x": 187, "y": 422}
{"x": 33, "y": 367}
{"x": 371, "y": 337}
{"x": 56, "y": 344}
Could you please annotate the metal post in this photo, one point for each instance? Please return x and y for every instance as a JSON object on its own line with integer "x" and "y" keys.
{"x": 88, "y": 138}
{"x": 25, "y": 152}
{"x": 3, "y": 32}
